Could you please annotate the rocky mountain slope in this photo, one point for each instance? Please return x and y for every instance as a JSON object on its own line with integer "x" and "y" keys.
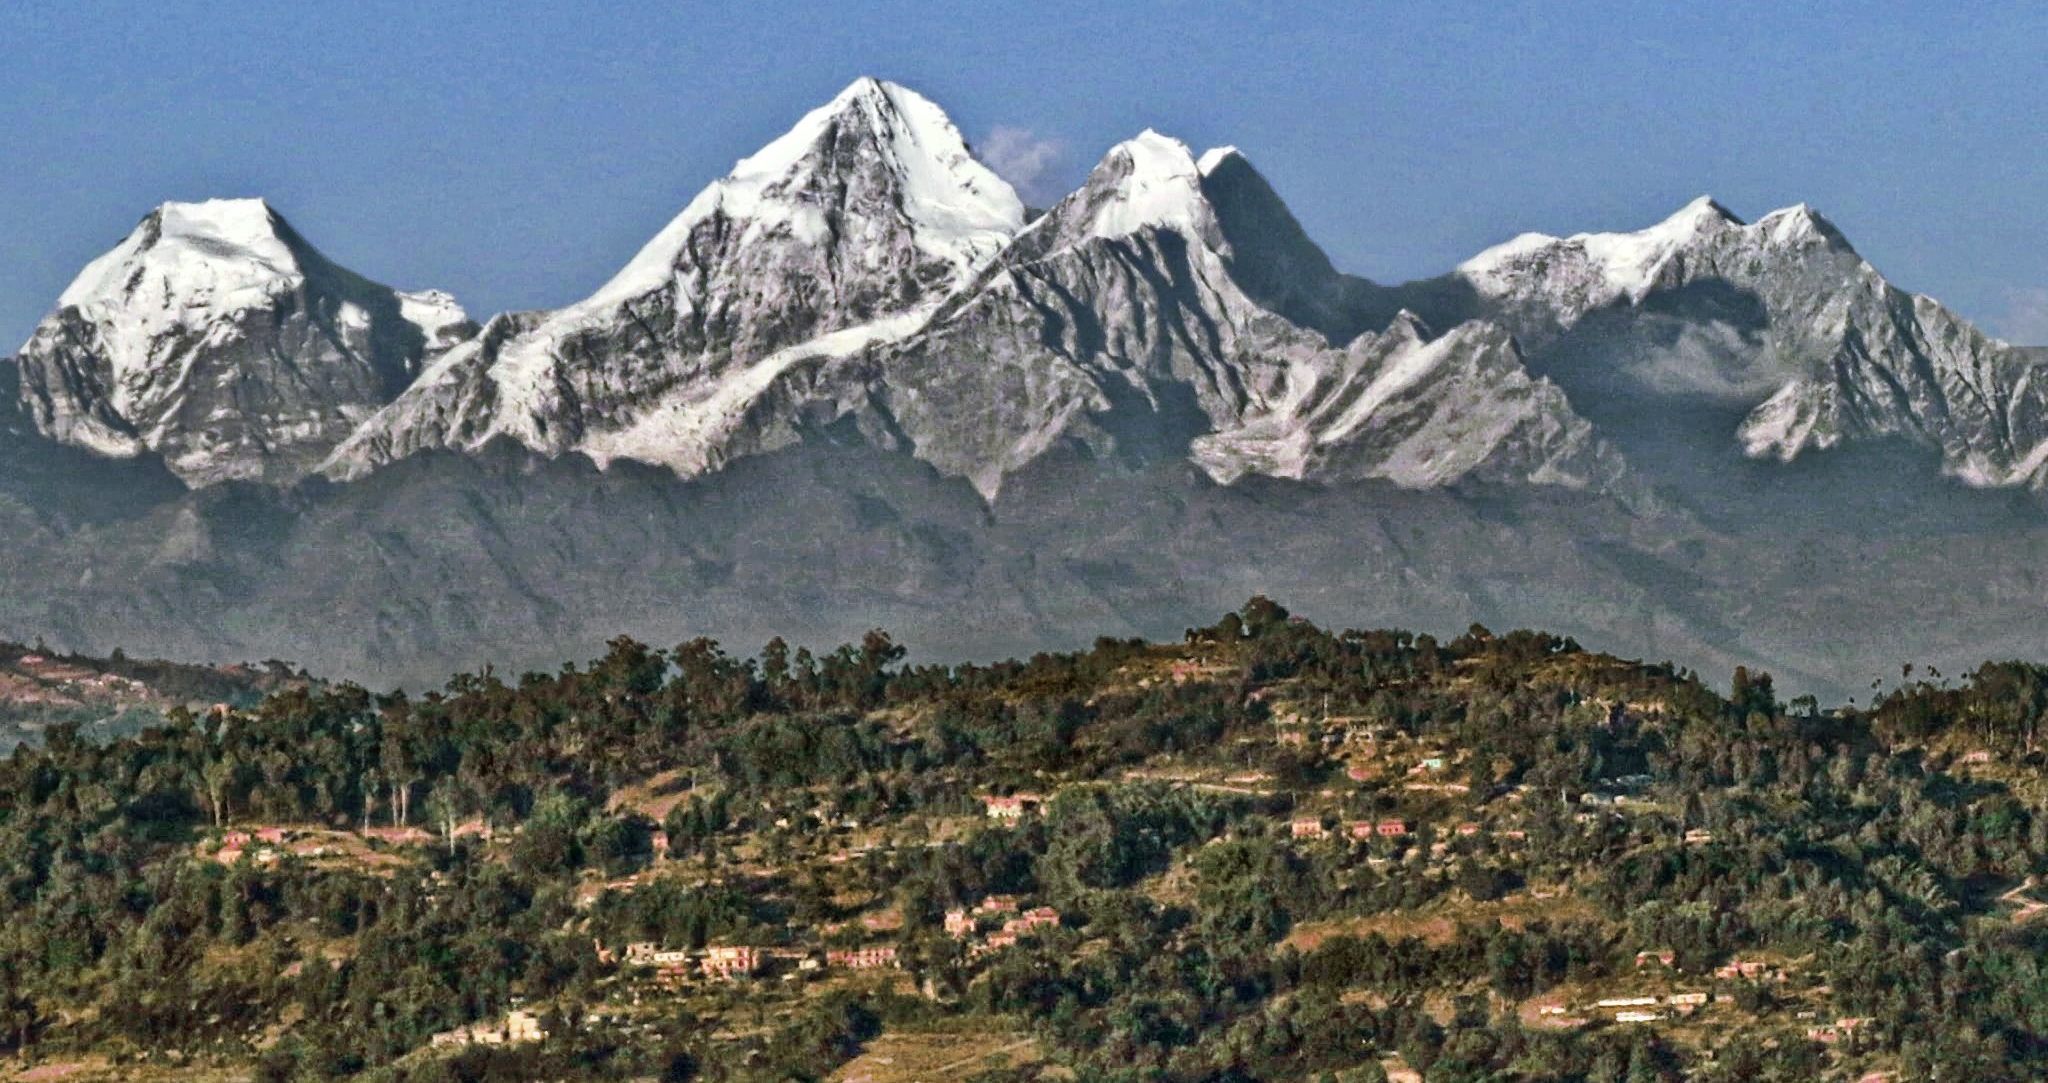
{"x": 216, "y": 337}
{"x": 1147, "y": 316}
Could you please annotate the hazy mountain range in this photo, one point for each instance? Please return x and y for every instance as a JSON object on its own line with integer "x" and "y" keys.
{"x": 857, "y": 382}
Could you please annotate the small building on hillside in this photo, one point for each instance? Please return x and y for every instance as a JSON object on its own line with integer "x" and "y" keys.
{"x": 519, "y": 1026}
{"x": 1307, "y": 828}
{"x": 1845, "y": 1027}
{"x": 1749, "y": 970}
{"x": 1666, "y": 959}
{"x": 1036, "y": 918}
{"x": 1013, "y": 807}
{"x": 1688, "y": 1003}
{"x": 731, "y": 961}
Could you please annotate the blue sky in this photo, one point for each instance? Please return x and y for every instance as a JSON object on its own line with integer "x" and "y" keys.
{"x": 518, "y": 153}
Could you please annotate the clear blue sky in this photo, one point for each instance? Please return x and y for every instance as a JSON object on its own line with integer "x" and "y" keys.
{"x": 518, "y": 153}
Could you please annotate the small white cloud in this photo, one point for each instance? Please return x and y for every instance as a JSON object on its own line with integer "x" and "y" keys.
{"x": 1027, "y": 160}
{"x": 2025, "y": 322}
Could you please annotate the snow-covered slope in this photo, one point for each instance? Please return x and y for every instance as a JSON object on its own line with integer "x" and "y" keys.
{"x": 847, "y": 229}
{"x": 215, "y": 336}
{"x": 1784, "y": 317}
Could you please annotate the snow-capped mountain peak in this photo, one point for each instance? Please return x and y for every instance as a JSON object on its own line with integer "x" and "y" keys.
{"x": 1151, "y": 180}
{"x": 1799, "y": 224}
{"x": 1214, "y": 157}
{"x": 1599, "y": 267}
{"x": 199, "y": 246}
{"x": 865, "y": 214}
{"x": 183, "y": 259}
{"x": 217, "y": 336}
{"x": 957, "y": 209}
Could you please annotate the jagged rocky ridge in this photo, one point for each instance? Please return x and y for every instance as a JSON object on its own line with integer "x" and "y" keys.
{"x": 1142, "y": 317}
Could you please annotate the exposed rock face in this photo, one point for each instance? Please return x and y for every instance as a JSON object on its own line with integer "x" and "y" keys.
{"x": 216, "y": 337}
{"x": 847, "y": 229}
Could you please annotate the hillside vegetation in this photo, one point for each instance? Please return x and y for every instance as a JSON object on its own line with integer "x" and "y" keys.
{"x": 1266, "y": 851}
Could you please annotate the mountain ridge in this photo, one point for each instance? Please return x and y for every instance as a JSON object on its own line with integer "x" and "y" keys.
{"x": 825, "y": 393}
{"x": 815, "y": 280}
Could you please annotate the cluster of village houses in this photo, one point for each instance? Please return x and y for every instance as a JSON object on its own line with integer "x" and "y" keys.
{"x": 734, "y": 961}
{"x": 1313, "y": 828}
{"x": 1014, "y": 807}
{"x": 1646, "y": 1008}
{"x": 964, "y": 924}
{"x": 264, "y": 844}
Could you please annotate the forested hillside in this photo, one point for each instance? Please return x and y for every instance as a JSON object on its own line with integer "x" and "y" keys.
{"x": 1266, "y": 851}
{"x": 100, "y": 698}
